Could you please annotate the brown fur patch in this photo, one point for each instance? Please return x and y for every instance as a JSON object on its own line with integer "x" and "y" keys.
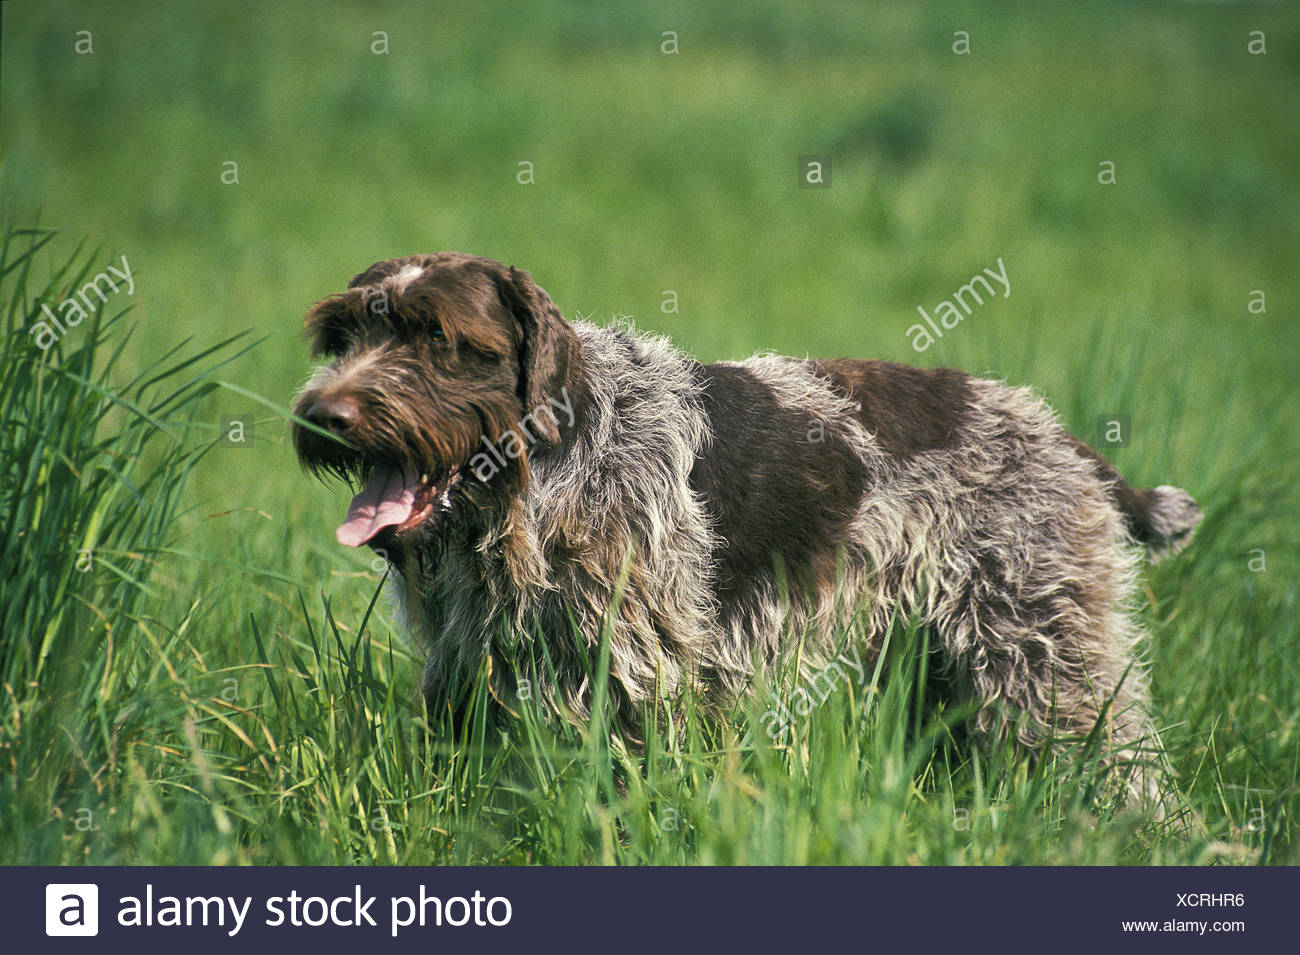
{"x": 908, "y": 410}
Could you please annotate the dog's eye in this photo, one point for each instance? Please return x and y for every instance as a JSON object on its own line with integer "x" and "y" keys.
{"x": 436, "y": 336}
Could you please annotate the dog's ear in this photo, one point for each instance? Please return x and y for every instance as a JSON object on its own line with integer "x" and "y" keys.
{"x": 549, "y": 349}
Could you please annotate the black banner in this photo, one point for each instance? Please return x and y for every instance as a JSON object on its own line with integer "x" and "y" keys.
{"x": 635, "y": 910}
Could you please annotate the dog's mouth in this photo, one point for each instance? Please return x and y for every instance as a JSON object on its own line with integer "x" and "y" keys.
{"x": 393, "y": 497}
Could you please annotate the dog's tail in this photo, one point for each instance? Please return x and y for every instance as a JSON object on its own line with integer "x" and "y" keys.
{"x": 1161, "y": 518}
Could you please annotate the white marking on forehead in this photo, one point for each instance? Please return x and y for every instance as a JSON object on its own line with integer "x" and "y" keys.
{"x": 402, "y": 279}
{"x": 349, "y": 371}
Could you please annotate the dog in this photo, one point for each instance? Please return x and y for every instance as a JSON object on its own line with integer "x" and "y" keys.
{"x": 539, "y": 486}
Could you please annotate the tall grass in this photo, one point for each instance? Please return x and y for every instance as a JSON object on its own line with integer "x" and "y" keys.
{"x": 133, "y": 731}
{"x": 128, "y": 735}
{"x": 91, "y": 473}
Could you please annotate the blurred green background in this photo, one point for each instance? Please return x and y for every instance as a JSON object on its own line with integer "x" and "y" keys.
{"x": 676, "y": 171}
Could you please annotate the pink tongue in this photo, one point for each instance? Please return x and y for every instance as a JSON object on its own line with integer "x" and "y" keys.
{"x": 387, "y": 499}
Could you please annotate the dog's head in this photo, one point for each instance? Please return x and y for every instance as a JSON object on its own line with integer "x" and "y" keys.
{"x": 447, "y": 372}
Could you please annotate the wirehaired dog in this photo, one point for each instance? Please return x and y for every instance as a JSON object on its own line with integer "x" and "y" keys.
{"x": 536, "y": 483}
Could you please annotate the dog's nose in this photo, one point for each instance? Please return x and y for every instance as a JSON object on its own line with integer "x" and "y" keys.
{"x": 336, "y": 415}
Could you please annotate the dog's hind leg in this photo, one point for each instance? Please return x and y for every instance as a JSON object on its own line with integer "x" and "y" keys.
{"x": 1036, "y": 633}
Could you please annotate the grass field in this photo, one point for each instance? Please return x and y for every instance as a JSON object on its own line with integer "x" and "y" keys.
{"x": 196, "y": 673}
